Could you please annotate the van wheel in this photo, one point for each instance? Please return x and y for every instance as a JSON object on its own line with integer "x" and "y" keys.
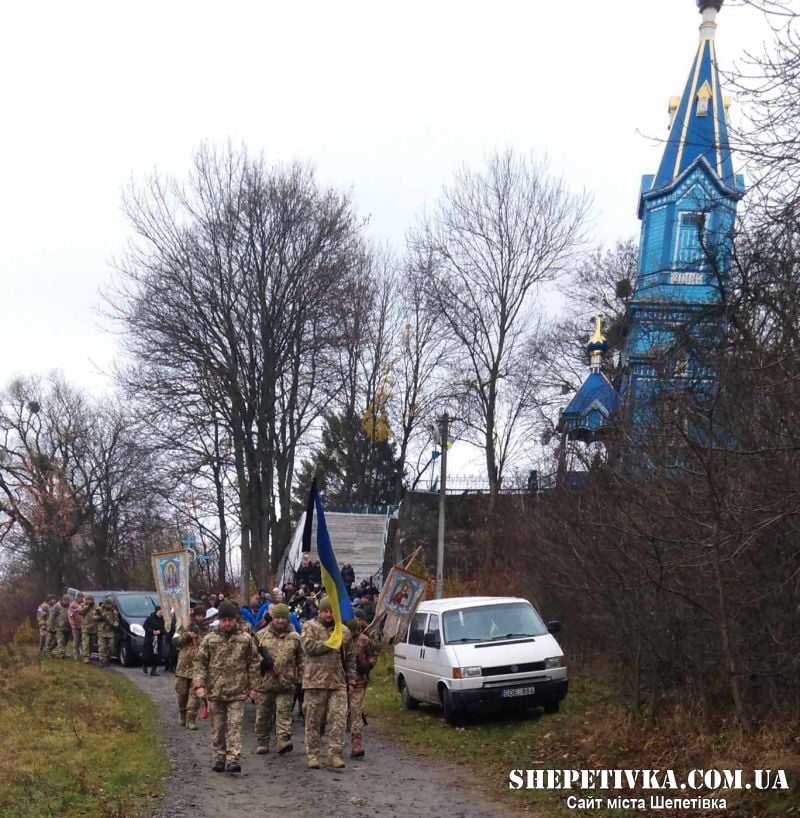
{"x": 409, "y": 702}
{"x": 124, "y": 653}
{"x": 449, "y": 709}
{"x": 552, "y": 707}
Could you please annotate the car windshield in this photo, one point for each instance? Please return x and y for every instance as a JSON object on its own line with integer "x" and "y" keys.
{"x": 488, "y": 623}
{"x": 141, "y": 605}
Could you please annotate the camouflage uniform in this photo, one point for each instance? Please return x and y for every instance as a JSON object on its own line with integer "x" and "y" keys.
{"x": 42, "y": 613}
{"x": 88, "y": 628}
{"x": 76, "y": 625}
{"x": 51, "y": 625}
{"x": 60, "y": 622}
{"x": 327, "y": 673}
{"x": 366, "y": 657}
{"x": 106, "y": 619}
{"x": 277, "y": 687}
{"x": 227, "y": 666}
{"x": 188, "y": 703}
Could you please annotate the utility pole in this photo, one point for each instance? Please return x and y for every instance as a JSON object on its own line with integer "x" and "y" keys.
{"x": 444, "y": 422}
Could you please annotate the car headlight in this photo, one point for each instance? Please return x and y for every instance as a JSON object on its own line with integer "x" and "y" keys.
{"x": 466, "y": 672}
{"x": 553, "y": 661}
{"x": 138, "y": 630}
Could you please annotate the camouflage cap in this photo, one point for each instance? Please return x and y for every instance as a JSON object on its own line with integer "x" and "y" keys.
{"x": 89, "y": 598}
{"x": 325, "y": 605}
{"x": 280, "y": 610}
{"x": 108, "y": 599}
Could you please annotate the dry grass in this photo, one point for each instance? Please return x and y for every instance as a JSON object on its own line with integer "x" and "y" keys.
{"x": 76, "y": 740}
{"x": 593, "y": 731}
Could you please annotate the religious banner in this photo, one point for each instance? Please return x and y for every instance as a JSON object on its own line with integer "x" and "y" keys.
{"x": 171, "y": 574}
{"x": 400, "y": 595}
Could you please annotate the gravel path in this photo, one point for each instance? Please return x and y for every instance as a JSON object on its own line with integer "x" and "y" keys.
{"x": 388, "y": 782}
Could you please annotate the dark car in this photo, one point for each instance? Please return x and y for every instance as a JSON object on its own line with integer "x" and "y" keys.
{"x": 134, "y": 607}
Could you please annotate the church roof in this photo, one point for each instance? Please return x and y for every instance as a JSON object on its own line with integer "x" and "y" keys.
{"x": 590, "y": 411}
{"x": 699, "y": 127}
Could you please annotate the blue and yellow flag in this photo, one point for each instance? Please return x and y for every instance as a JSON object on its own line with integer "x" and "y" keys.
{"x": 331, "y": 575}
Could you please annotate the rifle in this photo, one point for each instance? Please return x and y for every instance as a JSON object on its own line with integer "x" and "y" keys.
{"x": 267, "y": 662}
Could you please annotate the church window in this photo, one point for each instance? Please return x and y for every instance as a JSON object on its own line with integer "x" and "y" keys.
{"x": 703, "y": 98}
{"x": 691, "y": 235}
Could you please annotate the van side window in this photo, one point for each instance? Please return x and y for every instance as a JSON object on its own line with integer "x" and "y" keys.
{"x": 433, "y": 624}
{"x": 417, "y": 629}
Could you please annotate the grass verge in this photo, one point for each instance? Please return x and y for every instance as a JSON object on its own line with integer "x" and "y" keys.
{"x": 592, "y": 731}
{"x": 76, "y": 740}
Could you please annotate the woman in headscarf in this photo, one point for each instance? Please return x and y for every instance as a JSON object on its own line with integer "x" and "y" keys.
{"x": 153, "y": 633}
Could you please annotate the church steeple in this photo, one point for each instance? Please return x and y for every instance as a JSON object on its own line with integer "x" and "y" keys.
{"x": 688, "y": 211}
{"x": 699, "y": 126}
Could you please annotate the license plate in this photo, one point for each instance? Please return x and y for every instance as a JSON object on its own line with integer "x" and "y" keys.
{"x": 511, "y": 692}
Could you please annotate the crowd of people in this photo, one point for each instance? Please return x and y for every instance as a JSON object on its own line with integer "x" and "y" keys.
{"x": 276, "y": 651}
{"x": 77, "y": 622}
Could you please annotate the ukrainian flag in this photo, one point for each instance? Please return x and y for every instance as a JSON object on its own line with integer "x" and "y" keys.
{"x": 331, "y": 575}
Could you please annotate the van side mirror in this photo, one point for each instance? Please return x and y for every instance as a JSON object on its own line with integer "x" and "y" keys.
{"x": 432, "y": 640}
{"x": 554, "y": 626}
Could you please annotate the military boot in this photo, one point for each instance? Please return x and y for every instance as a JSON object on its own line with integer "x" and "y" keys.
{"x": 284, "y": 747}
{"x": 312, "y": 762}
{"x": 263, "y": 747}
{"x": 190, "y": 721}
{"x": 335, "y": 760}
{"x": 356, "y": 750}
{"x": 182, "y": 718}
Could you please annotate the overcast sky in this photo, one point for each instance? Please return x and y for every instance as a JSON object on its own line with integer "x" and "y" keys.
{"x": 387, "y": 99}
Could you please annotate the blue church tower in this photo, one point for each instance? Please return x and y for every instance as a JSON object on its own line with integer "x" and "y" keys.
{"x": 687, "y": 210}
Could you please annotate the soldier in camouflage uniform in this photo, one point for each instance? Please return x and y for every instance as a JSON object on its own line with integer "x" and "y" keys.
{"x": 76, "y": 625}
{"x": 366, "y": 657}
{"x": 277, "y": 686}
{"x": 226, "y": 671}
{"x": 106, "y": 619}
{"x": 42, "y": 618}
{"x": 187, "y": 641}
{"x": 328, "y": 674}
{"x": 88, "y": 628}
{"x": 59, "y": 621}
{"x": 51, "y": 625}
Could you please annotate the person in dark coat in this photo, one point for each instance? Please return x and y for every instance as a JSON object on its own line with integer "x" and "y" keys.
{"x": 154, "y": 629}
{"x": 316, "y": 573}
{"x": 302, "y": 576}
{"x": 348, "y": 577}
{"x": 169, "y": 653}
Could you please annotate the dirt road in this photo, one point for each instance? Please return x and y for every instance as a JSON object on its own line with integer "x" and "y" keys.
{"x": 389, "y": 782}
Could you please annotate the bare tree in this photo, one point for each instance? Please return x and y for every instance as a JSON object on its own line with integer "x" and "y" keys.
{"x": 230, "y": 300}
{"x": 494, "y": 238}
{"x": 420, "y": 386}
{"x": 79, "y": 497}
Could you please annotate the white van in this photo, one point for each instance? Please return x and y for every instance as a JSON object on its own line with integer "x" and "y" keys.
{"x": 471, "y": 652}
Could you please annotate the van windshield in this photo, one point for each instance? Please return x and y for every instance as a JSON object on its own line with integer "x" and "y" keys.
{"x": 137, "y": 605}
{"x": 489, "y": 623}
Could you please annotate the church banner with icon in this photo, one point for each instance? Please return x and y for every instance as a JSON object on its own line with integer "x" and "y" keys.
{"x": 171, "y": 574}
{"x": 400, "y": 595}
